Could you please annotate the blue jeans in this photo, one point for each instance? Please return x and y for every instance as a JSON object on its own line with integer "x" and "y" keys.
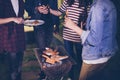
{"x": 74, "y": 49}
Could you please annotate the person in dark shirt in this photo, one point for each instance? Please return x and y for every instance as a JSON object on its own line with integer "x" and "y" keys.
{"x": 43, "y": 33}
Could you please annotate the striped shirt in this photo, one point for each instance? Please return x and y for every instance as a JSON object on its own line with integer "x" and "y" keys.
{"x": 73, "y": 12}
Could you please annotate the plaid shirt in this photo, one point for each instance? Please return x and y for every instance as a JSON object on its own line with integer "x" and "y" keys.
{"x": 12, "y": 36}
{"x": 14, "y": 42}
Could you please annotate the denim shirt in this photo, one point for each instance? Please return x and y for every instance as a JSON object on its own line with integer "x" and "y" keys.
{"x": 99, "y": 40}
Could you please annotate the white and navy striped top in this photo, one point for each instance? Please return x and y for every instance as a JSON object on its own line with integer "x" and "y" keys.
{"x": 73, "y": 12}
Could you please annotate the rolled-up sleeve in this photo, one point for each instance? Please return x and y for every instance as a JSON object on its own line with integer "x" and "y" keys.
{"x": 93, "y": 36}
{"x": 84, "y": 36}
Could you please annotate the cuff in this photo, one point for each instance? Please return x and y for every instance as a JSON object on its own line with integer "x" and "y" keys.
{"x": 84, "y": 36}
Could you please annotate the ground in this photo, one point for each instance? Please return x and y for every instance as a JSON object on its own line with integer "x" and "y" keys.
{"x": 31, "y": 68}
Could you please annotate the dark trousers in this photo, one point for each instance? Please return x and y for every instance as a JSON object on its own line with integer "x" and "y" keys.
{"x": 74, "y": 49}
{"x": 43, "y": 35}
{"x": 15, "y": 65}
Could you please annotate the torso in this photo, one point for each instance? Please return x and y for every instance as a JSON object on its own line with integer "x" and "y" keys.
{"x": 74, "y": 13}
{"x": 12, "y": 37}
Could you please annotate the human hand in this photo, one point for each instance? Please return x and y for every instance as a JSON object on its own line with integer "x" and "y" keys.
{"x": 18, "y": 20}
{"x": 43, "y": 9}
{"x": 69, "y": 23}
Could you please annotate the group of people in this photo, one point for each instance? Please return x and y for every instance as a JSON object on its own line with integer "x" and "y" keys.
{"x": 12, "y": 35}
{"x": 89, "y": 34}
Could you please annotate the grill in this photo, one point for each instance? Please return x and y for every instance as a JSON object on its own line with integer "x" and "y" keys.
{"x": 59, "y": 69}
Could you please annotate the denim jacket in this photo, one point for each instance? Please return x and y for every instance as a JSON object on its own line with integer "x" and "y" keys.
{"x": 99, "y": 40}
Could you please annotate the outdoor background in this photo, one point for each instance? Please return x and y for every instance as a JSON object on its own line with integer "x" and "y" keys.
{"x": 31, "y": 68}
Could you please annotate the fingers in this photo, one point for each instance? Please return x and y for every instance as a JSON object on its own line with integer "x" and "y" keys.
{"x": 18, "y": 20}
{"x": 65, "y": 21}
{"x": 43, "y": 9}
{"x": 69, "y": 23}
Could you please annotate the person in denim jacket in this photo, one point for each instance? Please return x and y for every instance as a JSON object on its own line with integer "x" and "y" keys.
{"x": 99, "y": 39}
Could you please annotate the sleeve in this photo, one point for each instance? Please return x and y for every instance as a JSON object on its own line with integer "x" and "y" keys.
{"x": 55, "y": 7}
{"x": 94, "y": 36}
{"x": 63, "y": 7}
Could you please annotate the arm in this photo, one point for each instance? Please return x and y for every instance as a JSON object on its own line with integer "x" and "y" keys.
{"x": 61, "y": 10}
{"x": 44, "y": 10}
{"x": 94, "y": 35}
{"x": 70, "y": 24}
{"x": 55, "y": 12}
{"x": 7, "y": 20}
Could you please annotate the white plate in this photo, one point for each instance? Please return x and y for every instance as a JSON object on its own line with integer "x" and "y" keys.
{"x": 33, "y": 22}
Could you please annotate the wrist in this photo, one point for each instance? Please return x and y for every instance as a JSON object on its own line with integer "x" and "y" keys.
{"x": 78, "y": 30}
{"x": 48, "y": 9}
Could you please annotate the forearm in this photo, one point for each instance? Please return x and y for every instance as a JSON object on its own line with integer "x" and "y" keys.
{"x": 70, "y": 24}
{"x": 55, "y": 12}
{"x": 6, "y": 20}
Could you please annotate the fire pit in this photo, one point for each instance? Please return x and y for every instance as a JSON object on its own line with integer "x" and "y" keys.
{"x": 58, "y": 69}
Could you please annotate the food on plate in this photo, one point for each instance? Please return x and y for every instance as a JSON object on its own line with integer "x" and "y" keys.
{"x": 33, "y": 22}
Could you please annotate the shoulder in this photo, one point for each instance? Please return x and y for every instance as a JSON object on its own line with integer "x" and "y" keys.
{"x": 98, "y": 6}
{"x": 65, "y": 1}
